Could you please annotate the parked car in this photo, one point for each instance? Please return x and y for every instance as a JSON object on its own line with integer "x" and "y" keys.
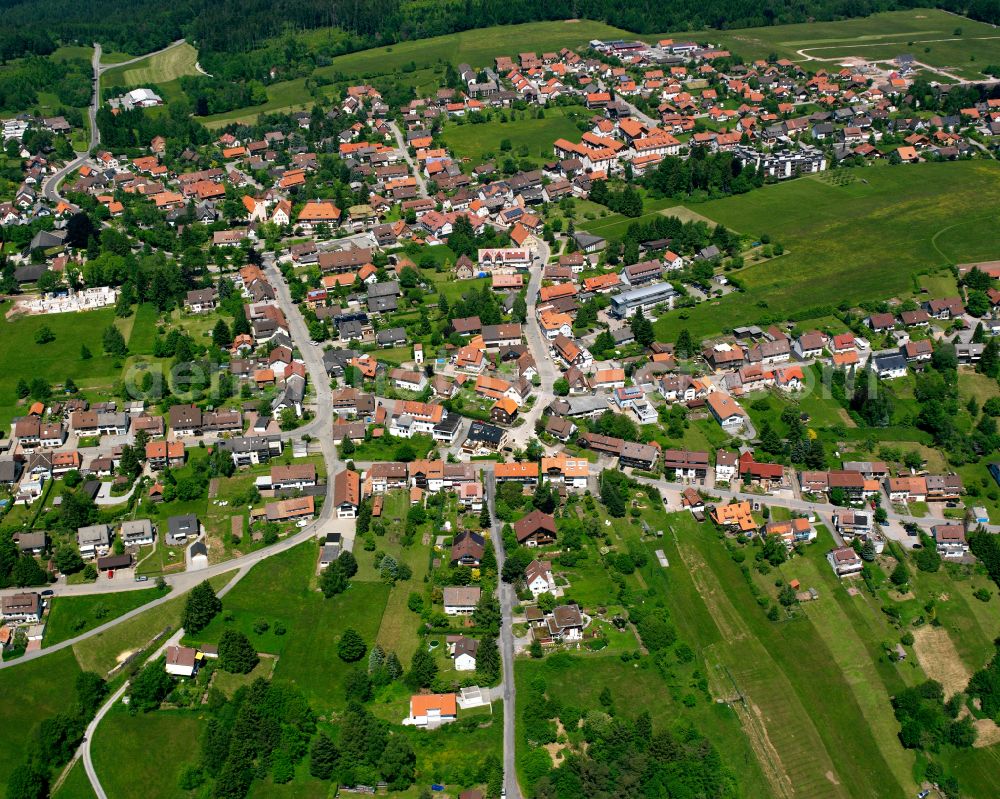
{"x": 141, "y": 578}
{"x": 48, "y": 592}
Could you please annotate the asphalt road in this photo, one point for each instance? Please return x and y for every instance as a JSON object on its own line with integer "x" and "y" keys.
{"x": 506, "y": 593}
{"x": 401, "y": 146}
{"x": 88, "y": 736}
{"x": 51, "y": 188}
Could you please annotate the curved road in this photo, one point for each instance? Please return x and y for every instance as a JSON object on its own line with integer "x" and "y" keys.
{"x": 51, "y": 189}
{"x": 319, "y": 429}
{"x": 88, "y": 736}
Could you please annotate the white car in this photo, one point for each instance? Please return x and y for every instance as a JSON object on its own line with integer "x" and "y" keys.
{"x": 302, "y": 523}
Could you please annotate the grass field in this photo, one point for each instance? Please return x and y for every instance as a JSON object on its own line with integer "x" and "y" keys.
{"x": 863, "y": 241}
{"x": 34, "y": 691}
{"x": 123, "y": 744}
{"x": 283, "y": 590}
{"x": 529, "y": 138}
{"x": 68, "y": 612}
{"x": 160, "y": 68}
{"x": 879, "y": 36}
{"x": 22, "y": 357}
{"x": 76, "y": 785}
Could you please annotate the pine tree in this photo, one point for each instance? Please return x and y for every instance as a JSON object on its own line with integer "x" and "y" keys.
{"x": 488, "y": 661}
{"x": 989, "y": 363}
{"x": 114, "y": 342}
{"x": 376, "y": 658}
{"x": 484, "y": 517}
{"x": 221, "y": 335}
{"x": 393, "y": 666}
{"x": 333, "y": 581}
{"x": 236, "y": 654}
{"x": 351, "y": 646}
{"x": 423, "y": 670}
{"x": 323, "y": 757}
{"x": 201, "y": 607}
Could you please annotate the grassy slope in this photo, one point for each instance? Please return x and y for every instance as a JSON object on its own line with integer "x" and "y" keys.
{"x": 283, "y": 590}
{"x": 879, "y": 36}
{"x": 122, "y": 746}
{"x": 32, "y": 692}
{"x": 480, "y": 142}
{"x": 76, "y": 785}
{"x": 477, "y": 47}
{"x": 826, "y": 748}
{"x": 101, "y": 652}
{"x": 160, "y": 68}
{"x": 862, "y": 241}
{"x": 67, "y": 610}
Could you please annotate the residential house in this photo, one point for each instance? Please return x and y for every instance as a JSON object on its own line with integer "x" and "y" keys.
{"x": 950, "y": 540}
{"x": 467, "y": 548}
{"x": 538, "y": 578}
{"x": 94, "y": 540}
{"x": 535, "y": 529}
{"x": 347, "y": 494}
{"x": 460, "y": 599}
{"x": 844, "y": 561}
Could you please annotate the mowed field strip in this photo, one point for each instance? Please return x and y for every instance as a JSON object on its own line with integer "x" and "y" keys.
{"x": 778, "y": 725}
{"x": 160, "y": 68}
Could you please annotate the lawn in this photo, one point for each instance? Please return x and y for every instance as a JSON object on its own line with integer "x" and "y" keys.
{"x": 879, "y": 36}
{"x": 155, "y": 69}
{"x": 398, "y": 629}
{"x": 144, "y": 324}
{"x": 282, "y": 592}
{"x": 21, "y": 357}
{"x": 283, "y": 96}
{"x": 35, "y": 690}
{"x": 529, "y": 138}
{"x": 867, "y": 240}
{"x": 388, "y": 448}
{"x": 73, "y": 616}
{"x": 122, "y": 746}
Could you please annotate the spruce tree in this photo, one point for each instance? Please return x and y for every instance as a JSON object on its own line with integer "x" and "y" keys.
{"x": 201, "y": 607}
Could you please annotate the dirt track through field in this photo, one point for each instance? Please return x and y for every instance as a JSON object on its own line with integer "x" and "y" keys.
{"x": 940, "y": 660}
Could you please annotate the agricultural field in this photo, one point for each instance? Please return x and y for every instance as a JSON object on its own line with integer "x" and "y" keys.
{"x": 780, "y": 735}
{"x": 526, "y": 139}
{"x": 156, "y": 69}
{"x": 927, "y": 34}
{"x": 866, "y": 240}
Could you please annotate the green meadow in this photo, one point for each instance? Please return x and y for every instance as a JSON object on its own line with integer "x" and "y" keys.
{"x": 867, "y": 240}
